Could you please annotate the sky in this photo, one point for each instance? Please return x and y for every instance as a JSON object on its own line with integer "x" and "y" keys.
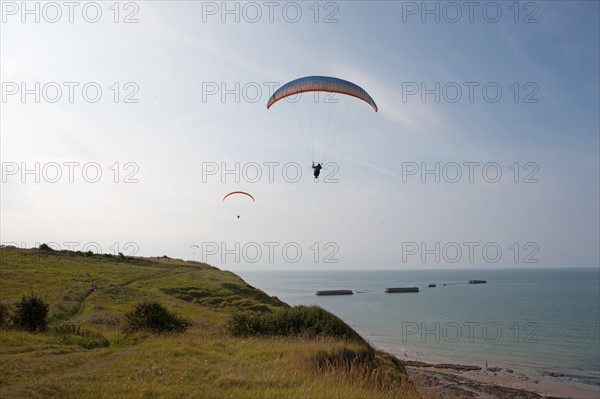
{"x": 124, "y": 124}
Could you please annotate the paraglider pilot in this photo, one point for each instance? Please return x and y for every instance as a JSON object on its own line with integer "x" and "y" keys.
{"x": 316, "y": 169}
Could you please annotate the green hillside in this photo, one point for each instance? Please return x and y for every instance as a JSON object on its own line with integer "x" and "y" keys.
{"x": 85, "y": 352}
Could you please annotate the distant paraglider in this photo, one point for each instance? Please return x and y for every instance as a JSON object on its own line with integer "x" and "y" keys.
{"x": 239, "y": 193}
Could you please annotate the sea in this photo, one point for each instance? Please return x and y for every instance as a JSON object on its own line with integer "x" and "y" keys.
{"x": 541, "y": 321}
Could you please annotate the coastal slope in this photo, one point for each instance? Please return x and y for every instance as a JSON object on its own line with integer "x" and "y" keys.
{"x": 86, "y": 352}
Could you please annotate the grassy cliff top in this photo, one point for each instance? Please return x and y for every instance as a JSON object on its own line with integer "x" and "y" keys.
{"x": 205, "y": 361}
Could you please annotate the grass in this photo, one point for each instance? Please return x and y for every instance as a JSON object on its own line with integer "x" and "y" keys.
{"x": 304, "y": 321}
{"x": 73, "y": 334}
{"x": 85, "y": 352}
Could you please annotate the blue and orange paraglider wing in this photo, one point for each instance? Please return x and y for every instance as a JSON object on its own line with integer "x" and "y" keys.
{"x": 321, "y": 83}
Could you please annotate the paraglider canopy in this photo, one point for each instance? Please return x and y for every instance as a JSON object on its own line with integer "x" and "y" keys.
{"x": 321, "y": 83}
{"x": 242, "y": 193}
{"x": 320, "y": 124}
{"x": 239, "y": 192}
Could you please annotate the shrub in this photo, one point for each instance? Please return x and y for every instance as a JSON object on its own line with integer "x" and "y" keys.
{"x": 45, "y": 247}
{"x": 31, "y": 313}
{"x": 310, "y": 321}
{"x": 153, "y": 317}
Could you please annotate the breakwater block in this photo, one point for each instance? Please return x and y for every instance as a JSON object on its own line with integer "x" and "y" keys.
{"x": 477, "y": 281}
{"x": 335, "y": 292}
{"x": 401, "y": 289}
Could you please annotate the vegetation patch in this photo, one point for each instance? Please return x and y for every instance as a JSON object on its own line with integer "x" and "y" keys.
{"x": 228, "y": 295}
{"x": 112, "y": 319}
{"x": 307, "y": 321}
{"x": 203, "y": 359}
{"x": 73, "y": 334}
{"x": 119, "y": 294}
{"x": 248, "y": 291}
{"x": 66, "y": 308}
{"x": 31, "y": 313}
{"x": 153, "y": 317}
{"x": 363, "y": 365}
{"x": 4, "y": 315}
{"x": 45, "y": 249}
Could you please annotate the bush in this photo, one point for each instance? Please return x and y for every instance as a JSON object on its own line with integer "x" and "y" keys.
{"x": 310, "y": 321}
{"x": 153, "y": 317}
{"x": 45, "y": 247}
{"x": 30, "y": 313}
{"x": 3, "y": 315}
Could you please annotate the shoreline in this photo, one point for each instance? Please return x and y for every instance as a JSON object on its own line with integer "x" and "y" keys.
{"x": 463, "y": 373}
{"x": 471, "y": 380}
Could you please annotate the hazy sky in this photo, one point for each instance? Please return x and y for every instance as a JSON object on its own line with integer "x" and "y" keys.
{"x": 118, "y": 121}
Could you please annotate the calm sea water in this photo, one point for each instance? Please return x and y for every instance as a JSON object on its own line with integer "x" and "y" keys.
{"x": 547, "y": 320}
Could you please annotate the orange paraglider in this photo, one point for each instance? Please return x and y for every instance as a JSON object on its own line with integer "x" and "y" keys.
{"x": 239, "y": 193}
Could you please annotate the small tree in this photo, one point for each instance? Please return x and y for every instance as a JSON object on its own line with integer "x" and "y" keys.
{"x": 152, "y": 316}
{"x": 30, "y": 313}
